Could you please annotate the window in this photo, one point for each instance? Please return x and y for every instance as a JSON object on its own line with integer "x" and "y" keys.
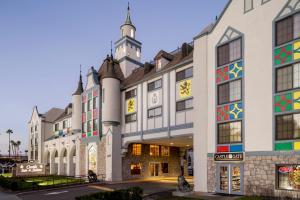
{"x": 158, "y": 63}
{"x": 248, "y": 5}
{"x": 95, "y": 103}
{"x": 165, "y": 168}
{"x": 288, "y": 29}
{"x": 230, "y": 133}
{"x": 35, "y": 127}
{"x": 130, "y": 118}
{"x": 184, "y": 74}
{"x": 83, "y": 127}
{"x": 95, "y": 125}
{"x": 223, "y": 55}
{"x": 64, "y": 124}
{"x": 296, "y": 25}
{"x": 56, "y": 127}
{"x": 154, "y": 112}
{"x": 31, "y": 129}
{"x": 165, "y": 151}
{"x": 288, "y": 77}
{"x": 132, "y": 33}
{"x": 229, "y": 52}
{"x": 288, "y": 177}
{"x": 230, "y": 92}
{"x": 89, "y": 126}
{"x": 130, "y": 94}
{"x": 154, "y": 85}
{"x": 184, "y": 105}
{"x": 235, "y": 52}
{"x": 90, "y": 104}
{"x": 136, "y": 169}
{"x": 136, "y": 149}
{"x": 154, "y": 150}
{"x": 83, "y": 108}
{"x": 288, "y": 127}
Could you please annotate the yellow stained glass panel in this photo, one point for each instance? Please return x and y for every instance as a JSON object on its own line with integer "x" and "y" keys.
{"x": 185, "y": 88}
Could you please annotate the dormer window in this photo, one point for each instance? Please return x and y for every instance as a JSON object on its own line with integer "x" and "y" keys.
{"x": 158, "y": 64}
{"x": 56, "y": 127}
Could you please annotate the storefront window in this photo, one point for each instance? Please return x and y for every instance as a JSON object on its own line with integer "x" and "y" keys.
{"x": 288, "y": 177}
{"x": 165, "y": 151}
{"x": 136, "y": 169}
{"x": 154, "y": 150}
{"x": 136, "y": 149}
{"x": 165, "y": 168}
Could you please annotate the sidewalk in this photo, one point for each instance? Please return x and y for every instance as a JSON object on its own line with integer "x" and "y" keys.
{"x": 4, "y": 195}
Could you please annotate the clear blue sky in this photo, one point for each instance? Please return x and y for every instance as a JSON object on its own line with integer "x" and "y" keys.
{"x": 42, "y": 44}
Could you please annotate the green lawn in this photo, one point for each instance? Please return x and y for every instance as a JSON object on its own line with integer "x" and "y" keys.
{"x": 36, "y": 182}
{"x": 7, "y": 175}
{"x": 249, "y": 198}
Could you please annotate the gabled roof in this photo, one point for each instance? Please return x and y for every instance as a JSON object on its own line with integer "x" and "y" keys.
{"x": 65, "y": 113}
{"x": 163, "y": 54}
{"x": 148, "y": 70}
{"x": 52, "y": 114}
{"x": 208, "y": 29}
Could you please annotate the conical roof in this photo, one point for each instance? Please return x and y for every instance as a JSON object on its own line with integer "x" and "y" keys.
{"x": 79, "y": 89}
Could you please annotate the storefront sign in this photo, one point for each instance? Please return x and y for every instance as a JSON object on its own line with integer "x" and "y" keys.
{"x": 229, "y": 157}
{"x": 29, "y": 169}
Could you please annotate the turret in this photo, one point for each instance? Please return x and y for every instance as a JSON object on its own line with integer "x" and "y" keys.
{"x": 128, "y": 49}
{"x": 77, "y": 106}
{"x": 128, "y": 29}
{"x": 111, "y": 95}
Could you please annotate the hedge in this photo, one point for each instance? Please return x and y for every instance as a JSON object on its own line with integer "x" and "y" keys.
{"x": 133, "y": 193}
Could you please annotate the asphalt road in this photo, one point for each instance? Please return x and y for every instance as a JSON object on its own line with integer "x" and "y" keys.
{"x": 149, "y": 187}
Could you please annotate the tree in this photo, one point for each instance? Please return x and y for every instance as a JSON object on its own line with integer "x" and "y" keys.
{"x": 18, "y": 147}
{"x": 9, "y": 132}
{"x": 13, "y": 147}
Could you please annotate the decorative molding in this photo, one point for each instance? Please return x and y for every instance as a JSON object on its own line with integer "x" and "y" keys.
{"x": 290, "y": 7}
{"x": 229, "y": 35}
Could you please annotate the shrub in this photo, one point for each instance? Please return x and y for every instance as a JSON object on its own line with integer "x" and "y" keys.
{"x": 134, "y": 193}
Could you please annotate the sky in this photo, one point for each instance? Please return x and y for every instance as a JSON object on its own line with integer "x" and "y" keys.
{"x": 43, "y": 43}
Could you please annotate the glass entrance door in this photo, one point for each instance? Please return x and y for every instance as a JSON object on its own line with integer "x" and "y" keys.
{"x": 230, "y": 179}
{"x": 154, "y": 167}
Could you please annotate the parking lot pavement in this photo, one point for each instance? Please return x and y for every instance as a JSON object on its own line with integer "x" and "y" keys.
{"x": 149, "y": 187}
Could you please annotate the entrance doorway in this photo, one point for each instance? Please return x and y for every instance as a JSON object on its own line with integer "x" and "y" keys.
{"x": 154, "y": 167}
{"x": 230, "y": 179}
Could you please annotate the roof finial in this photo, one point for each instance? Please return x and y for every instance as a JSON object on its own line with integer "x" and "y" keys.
{"x": 128, "y": 19}
{"x": 80, "y": 69}
{"x": 110, "y": 48}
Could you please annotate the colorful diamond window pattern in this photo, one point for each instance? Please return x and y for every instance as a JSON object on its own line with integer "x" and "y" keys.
{"x": 296, "y": 50}
{"x": 236, "y": 111}
{"x": 283, "y": 102}
{"x": 223, "y": 113}
{"x": 296, "y": 99}
{"x": 222, "y": 74}
{"x": 236, "y": 70}
{"x": 283, "y": 54}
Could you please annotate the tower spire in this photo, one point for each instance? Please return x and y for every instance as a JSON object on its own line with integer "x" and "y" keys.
{"x": 79, "y": 90}
{"x": 128, "y": 18}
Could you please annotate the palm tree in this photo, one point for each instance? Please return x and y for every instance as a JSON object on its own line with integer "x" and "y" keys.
{"x": 18, "y": 147}
{"x": 13, "y": 147}
{"x": 9, "y": 132}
